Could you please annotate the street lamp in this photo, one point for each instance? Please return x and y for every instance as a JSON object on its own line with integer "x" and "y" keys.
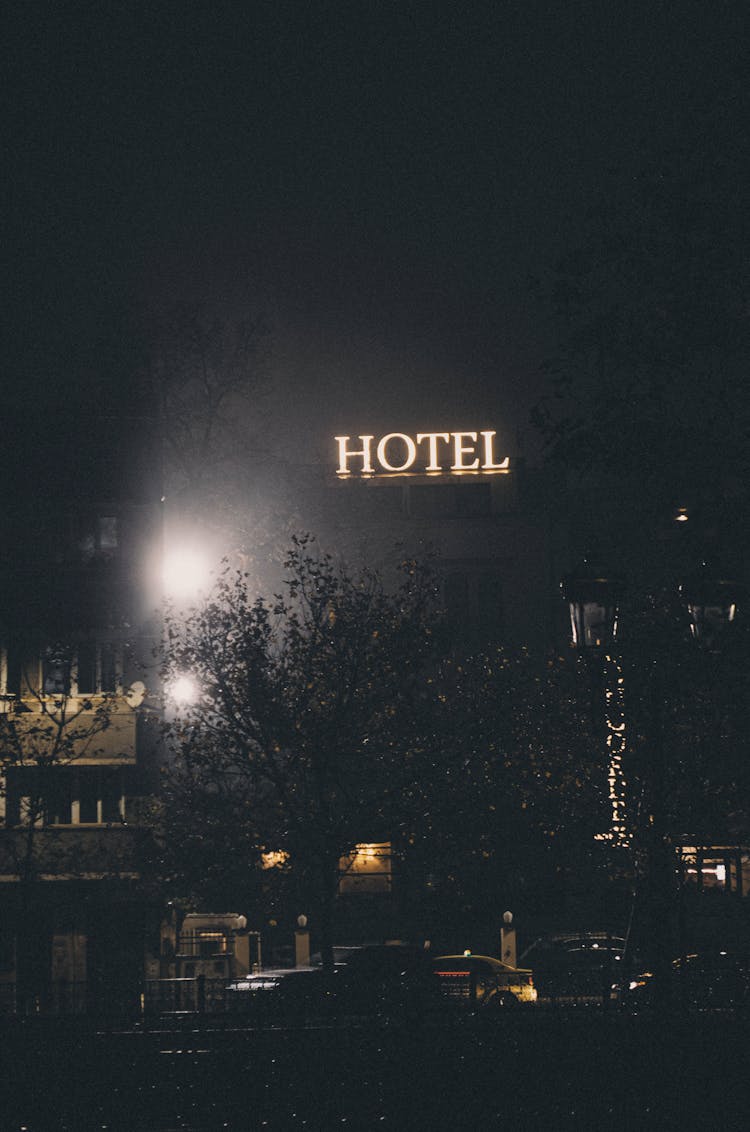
{"x": 185, "y": 573}
{"x": 711, "y": 603}
{"x": 508, "y": 940}
{"x": 593, "y": 598}
{"x": 183, "y": 690}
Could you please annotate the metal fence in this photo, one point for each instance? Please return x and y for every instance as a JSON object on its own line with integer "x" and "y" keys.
{"x": 196, "y": 995}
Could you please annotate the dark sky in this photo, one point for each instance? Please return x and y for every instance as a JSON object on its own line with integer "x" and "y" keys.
{"x": 381, "y": 179}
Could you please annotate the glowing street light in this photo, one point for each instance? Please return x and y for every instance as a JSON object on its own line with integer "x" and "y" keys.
{"x": 185, "y": 572}
{"x": 183, "y": 691}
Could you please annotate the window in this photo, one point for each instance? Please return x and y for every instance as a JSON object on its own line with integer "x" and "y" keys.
{"x": 211, "y": 943}
{"x": 719, "y": 868}
{"x": 10, "y": 671}
{"x": 88, "y": 797}
{"x": 111, "y": 796}
{"x": 98, "y": 667}
{"x": 59, "y": 809}
{"x": 55, "y": 673}
{"x": 367, "y": 870}
{"x": 86, "y": 680}
{"x": 108, "y": 667}
{"x": 85, "y": 795}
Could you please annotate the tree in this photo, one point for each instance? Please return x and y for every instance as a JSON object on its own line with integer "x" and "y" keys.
{"x": 205, "y": 374}
{"x": 305, "y": 712}
{"x": 649, "y": 408}
{"x": 511, "y": 790}
{"x": 649, "y": 418}
{"x": 339, "y": 715}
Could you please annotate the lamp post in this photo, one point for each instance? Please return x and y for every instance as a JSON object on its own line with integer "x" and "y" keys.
{"x": 710, "y": 603}
{"x": 593, "y": 597}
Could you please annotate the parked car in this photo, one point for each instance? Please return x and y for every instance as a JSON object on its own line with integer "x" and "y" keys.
{"x": 710, "y": 980}
{"x": 576, "y": 965}
{"x": 393, "y": 980}
{"x": 483, "y": 981}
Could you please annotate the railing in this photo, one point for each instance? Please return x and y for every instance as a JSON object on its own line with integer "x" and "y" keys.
{"x": 172, "y": 998}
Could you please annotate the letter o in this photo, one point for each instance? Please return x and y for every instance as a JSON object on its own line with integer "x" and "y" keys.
{"x": 411, "y": 450}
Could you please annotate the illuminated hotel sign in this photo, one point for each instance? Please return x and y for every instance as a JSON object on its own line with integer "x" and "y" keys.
{"x": 427, "y": 453}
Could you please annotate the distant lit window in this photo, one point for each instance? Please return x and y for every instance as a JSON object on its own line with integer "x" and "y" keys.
{"x": 716, "y": 868}
{"x": 211, "y": 943}
{"x": 367, "y": 870}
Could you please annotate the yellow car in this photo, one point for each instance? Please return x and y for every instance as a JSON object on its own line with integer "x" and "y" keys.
{"x": 483, "y": 981}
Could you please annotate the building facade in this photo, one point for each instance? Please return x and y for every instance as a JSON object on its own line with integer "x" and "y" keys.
{"x": 78, "y": 734}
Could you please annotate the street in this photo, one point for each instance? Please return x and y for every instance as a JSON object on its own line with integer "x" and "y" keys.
{"x": 539, "y": 1069}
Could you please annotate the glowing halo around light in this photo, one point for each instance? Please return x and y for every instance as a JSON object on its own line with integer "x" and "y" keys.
{"x": 183, "y": 690}
{"x": 185, "y": 573}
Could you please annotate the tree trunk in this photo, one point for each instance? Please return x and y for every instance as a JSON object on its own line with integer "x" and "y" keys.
{"x": 329, "y": 877}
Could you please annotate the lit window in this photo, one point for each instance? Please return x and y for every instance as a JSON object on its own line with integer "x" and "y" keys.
{"x": 716, "y": 867}
{"x": 211, "y": 943}
{"x": 367, "y": 870}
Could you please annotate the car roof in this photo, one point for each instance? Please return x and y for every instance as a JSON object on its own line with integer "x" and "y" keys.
{"x": 497, "y": 963}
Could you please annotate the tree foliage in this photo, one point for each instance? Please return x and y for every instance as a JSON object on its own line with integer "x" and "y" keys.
{"x": 304, "y": 707}
{"x": 337, "y": 714}
{"x": 649, "y": 408}
{"x": 205, "y": 373}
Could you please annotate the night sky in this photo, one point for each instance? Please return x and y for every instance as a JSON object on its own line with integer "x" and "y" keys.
{"x": 380, "y": 181}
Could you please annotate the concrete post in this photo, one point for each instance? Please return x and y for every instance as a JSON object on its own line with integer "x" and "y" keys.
{"x": 508, "y": 940}
{"x": 302, "y": 943}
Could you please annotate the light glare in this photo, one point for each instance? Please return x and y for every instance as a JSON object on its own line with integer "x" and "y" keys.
{"x": 185, "y": 573}
{"x": 183, "y": 690}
